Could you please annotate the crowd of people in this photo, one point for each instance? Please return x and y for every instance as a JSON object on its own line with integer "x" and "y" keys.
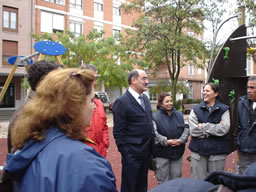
{"x": 58, "y": 140}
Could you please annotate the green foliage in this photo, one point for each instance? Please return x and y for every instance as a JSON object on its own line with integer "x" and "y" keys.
{"x": 25, "y": 83}
{"x": 178, "y": 105}
{"x": 191, "y": 101}
{"x": 251, "y": 9}
{"x": 162, "y": 35}
{"x": 163, "y": 87}
{"x": 215, "y": 13}
{"x": 104, "y": 53}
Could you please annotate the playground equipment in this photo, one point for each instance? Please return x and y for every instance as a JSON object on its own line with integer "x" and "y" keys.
{"x": 43, "y": 48}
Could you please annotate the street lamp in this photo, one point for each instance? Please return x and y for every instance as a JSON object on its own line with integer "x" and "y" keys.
{"x": 215, "y": 37}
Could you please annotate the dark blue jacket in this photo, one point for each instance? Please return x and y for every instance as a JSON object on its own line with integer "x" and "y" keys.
{"x": 246, "y": 138}
{"x": 172, "y": 127}
{"x": 238, "y": 183}
{"x": 183, "y": 185}
{"x": 59, "y": 164}
{"x": 133, "y": 126}
{"x": 211, "y": 145}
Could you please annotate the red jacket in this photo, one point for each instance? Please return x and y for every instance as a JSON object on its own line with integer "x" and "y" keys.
{"x": 98, "y": 131}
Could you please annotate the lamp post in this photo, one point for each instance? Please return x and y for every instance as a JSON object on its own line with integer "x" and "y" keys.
{"x": 215, "y": 37}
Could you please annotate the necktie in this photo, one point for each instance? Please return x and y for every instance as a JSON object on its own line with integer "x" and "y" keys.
{"x": 142, "y": 102}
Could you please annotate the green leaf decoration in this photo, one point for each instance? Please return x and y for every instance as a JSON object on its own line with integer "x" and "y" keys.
{"x": 216, "y": 81}
{"x": 232, "y": 95}
{"x": 226, "y": 51}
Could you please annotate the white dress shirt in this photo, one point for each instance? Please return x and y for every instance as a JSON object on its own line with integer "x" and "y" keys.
{"x": 135, "y": 95}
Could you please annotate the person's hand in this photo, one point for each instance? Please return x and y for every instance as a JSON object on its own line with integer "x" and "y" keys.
{"x": 170, "y": 142}
{"x": 200, "y": 125}
{"x": 176, "y": 143}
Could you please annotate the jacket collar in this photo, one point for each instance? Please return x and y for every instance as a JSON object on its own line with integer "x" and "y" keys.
{"x": 17, "y": 163}
{"x": 135, "y": 102}
{"x": 165, "y": 112}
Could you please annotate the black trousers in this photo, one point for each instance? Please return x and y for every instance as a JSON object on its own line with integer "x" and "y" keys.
{"x": 135, "y": 173}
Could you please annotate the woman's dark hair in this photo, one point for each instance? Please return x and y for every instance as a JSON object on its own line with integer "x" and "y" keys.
{"x": 215, "y": 89}
{"x": 160, "y": 99}
{"x": 39, "y": 69}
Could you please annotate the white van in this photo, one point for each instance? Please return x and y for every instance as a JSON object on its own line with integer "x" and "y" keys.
{"x": 104, "y": 98}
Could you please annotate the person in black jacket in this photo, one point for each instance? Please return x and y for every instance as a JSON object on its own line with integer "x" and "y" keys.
{"x": 209, "y": 124}
{"x": 171, "y": 133}
{"x": 245, "y": 134}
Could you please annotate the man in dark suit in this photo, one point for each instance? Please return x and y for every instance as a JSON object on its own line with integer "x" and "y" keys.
{"x": 133, "y": 132}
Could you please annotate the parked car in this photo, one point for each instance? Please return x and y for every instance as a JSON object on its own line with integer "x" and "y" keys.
{"x": 103, "y": 96}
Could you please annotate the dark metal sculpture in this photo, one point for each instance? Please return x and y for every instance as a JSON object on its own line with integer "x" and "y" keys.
{"x": 230, "y": 69}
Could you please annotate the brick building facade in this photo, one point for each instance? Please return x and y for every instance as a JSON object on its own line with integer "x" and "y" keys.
{"x": 16, "y": 23}
{"x": 19, "y": 18}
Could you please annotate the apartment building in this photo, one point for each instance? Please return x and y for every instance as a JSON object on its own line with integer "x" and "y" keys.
{"x": 81, "y": 16}
{"x": 19, "y": 18}
{"x": 16, "y": 23}
{"x": 190, "y": 75}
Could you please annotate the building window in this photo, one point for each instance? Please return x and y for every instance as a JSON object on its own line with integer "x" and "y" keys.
{"x": 75, "y": 28}
{"x": 51, "y": 23}
{"x": 199, "y": 71}
{"x": 60, "y": 2}
{"x": 77, "y": 4}
{"x": 249, "y": 65}
{"x": 152, "y": 96}
{"x": 98, "y": 6}
{"x": 98, "y": 28}
{"x": 191, "y": 92}
{"x": 10, "y": 48}
{"x": 9, "y": 96}
{"x": 191, "y": 69}
{"x": 116, "y": 34}
{"x": 116, "y": 10}
{"x": 10, "y": 19}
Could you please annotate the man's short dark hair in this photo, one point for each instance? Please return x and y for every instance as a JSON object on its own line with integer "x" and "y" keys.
{"x": 132, "y": 74}
{"x": 38, "y": 70}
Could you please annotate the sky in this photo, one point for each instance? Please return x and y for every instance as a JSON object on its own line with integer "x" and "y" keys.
{"x": 227, "y": 28}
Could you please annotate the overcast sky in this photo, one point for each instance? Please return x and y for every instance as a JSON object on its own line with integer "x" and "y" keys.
{"x": 228, "y": 27}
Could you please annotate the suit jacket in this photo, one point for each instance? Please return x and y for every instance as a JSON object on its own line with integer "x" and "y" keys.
{"x": 133, "y": 127}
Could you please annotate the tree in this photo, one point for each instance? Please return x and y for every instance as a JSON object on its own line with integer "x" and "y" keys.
{"x": 251, "y": 7}
{"x": 104, "y": 53}
{"x": 215, "y": 13}
{"x": 167, "y": 33}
